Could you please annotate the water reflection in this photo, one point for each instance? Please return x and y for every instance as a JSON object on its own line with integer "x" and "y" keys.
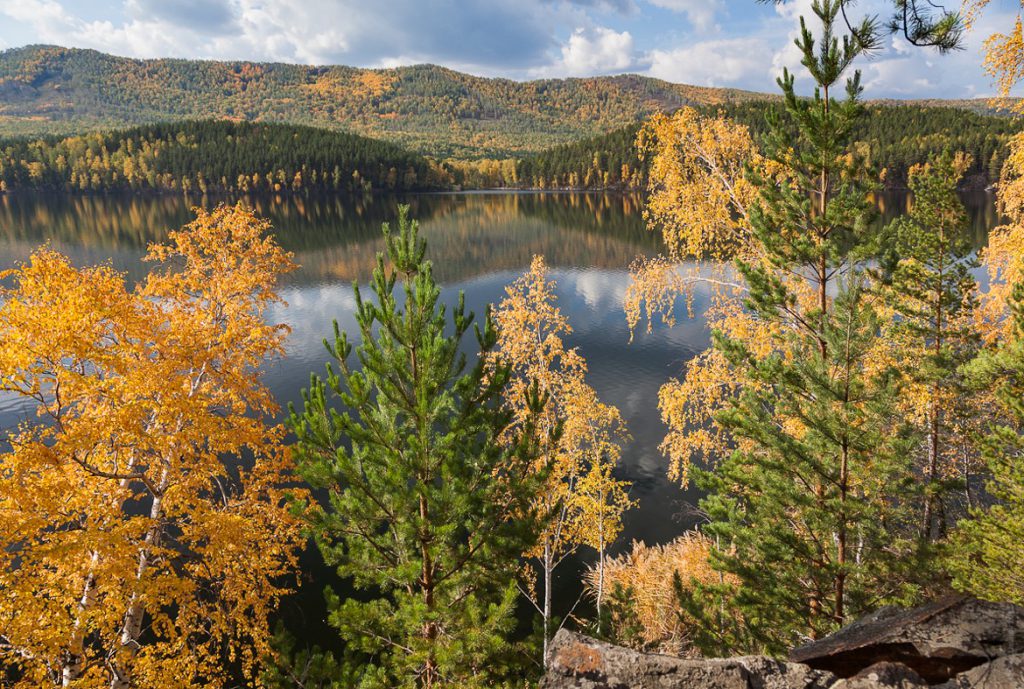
{"x": 336, "y": 238}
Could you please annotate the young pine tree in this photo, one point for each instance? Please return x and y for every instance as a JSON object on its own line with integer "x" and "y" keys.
{"x": 428, "y": 509}
{"x": 804, "y": 512}
{"x": 932, "y": 296}
{"x": 987, "y": 549}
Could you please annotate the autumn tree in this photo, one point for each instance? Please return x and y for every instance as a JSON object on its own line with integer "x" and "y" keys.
{"x": 1000, "y": 259}
{"x": 428, "y": 492}
{"x": 578, "y": 437}
{"x": 699, "y": 198}
{"x": 146, "y": 536}
{"x": 932, "y": 333}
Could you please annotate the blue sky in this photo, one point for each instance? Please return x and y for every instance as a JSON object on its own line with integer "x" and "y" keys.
{"x": 737, "y": 43}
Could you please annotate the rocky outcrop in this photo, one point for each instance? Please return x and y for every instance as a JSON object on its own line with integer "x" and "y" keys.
{"x": 938, "y": 641}
{"x": 579, "y": 662}
{"x": 954, "y": 643}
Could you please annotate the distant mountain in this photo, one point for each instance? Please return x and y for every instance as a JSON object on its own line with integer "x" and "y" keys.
{"x": 429, "y": 109}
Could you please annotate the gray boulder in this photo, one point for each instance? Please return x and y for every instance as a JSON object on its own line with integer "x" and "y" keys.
{"x": 883, "y": 675}
{"x": 1002, "y": 673}
{"x": 937, "y": 641}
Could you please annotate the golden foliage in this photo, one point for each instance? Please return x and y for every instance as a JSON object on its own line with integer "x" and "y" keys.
{"x": 698, "y": 188}
{"x": 1003, "y": 258}
{"x": 647, "y": 573}
{"x": 1004, "y": 52}
{"x": 117, "y": 501}
{"x": 699, "y": 197}
{"x": 582, "y": 500}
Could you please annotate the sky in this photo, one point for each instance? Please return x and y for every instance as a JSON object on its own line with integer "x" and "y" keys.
{"x": 731, "y": 43}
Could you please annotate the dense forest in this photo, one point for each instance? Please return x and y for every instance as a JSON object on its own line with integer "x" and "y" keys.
{"x": 430, "y": 109}
{"x": 895, "y": 137}
{"x": 251, "y": 157}
{"x": 214, "y": 156}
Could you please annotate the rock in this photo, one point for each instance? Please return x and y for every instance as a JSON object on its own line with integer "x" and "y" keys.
{"x": 579, "y": 662}
{"x": 1002, "y": 673}
{"x": 938, "y": 641}
{"x": 883, "y": 675}
{"x": 955, "y": 643}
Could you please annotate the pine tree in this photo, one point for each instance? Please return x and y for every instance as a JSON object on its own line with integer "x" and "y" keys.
{"x": 988, "y": 548}
{"x": 932, "y": 295}
{"x": 803, "y": 512}
{"x": 428, "y": 509}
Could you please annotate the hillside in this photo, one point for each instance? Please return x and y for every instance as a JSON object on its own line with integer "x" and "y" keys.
{"x": 214, "y": 156}
{"x": 429, "y": 109}
{"x": 896, "y": 137}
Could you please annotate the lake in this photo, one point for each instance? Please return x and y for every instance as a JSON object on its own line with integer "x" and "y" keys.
{"x": 478, "y": 242}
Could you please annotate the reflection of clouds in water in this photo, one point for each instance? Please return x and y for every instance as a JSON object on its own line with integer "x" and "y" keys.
{"x": 309, "y": 313}
{"x": 602, "y": 290}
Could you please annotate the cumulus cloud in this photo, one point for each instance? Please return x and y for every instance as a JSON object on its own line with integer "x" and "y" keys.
{"x": 477, "y": 34}
{"x": 205, "y": 16}
{"x": 717, "y": 43}
{"x": 595, "y": 51}
{"x": 701, "y": 13}
{"x": 721, "y": 62}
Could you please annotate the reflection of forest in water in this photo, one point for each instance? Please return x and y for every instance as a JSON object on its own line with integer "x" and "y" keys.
{"x": 336, "y": 238}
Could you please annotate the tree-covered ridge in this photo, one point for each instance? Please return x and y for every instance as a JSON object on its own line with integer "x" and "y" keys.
{"x": 901, "y": 136}
{"x": 219, "y": 155}
{"x": 48, "y": 89}
{"x": 895, "y": 138}
{"x": 214, "y": 156}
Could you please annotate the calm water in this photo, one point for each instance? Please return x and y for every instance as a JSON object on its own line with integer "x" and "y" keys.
{"x": 478, "y": 243}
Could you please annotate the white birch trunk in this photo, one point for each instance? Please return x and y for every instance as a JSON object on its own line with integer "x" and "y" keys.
{"x": 131, "y": 629}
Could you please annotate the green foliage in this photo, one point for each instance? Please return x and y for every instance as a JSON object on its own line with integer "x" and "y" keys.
{"x": 302, "y": 668}
{"x": 809, "y": 509}
{"x": 932, "y": 295}
{"x": 211, "y": 156}
{"x": 896, "y": 137}
{"x": 919, "y": 22}
{"x": 618, "y": 621}
{"x": 988, "y": 549}
{"x": 427, "y": 509}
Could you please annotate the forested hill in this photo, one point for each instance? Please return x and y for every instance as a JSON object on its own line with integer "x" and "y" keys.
{"x": 435, "y": 111}
{"x": 206, "y": 156}
{"x": 895, "y": 137}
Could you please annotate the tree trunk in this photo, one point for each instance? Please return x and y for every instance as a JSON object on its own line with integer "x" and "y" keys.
{"x": 131, "y": 629}
{"x": 430, "y": 674}
{"x": 600, "y": 561}
{"x": 75, "y": 663}
{"x": 547, "y": 598}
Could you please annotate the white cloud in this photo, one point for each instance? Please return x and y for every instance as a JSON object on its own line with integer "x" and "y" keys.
{"x": 511, "y": 38}
{"x": 596, "y": 51}
{"x": 722, "y": 62}
{"x": 701, "y": 13}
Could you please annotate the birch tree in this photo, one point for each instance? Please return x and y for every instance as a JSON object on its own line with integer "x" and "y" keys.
{"x": 134, "y": 552}
{"x": 579, "y": 438}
